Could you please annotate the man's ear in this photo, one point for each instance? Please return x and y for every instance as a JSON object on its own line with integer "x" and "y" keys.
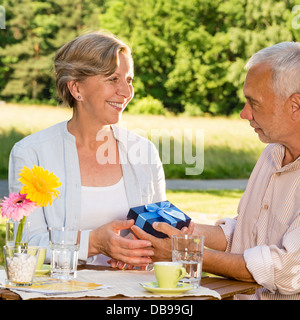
{"x": 73, "y": 87}
{"x": 295, "y": 106}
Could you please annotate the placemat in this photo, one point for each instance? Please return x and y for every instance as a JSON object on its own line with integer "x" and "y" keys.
{"x": 125, "y": 282}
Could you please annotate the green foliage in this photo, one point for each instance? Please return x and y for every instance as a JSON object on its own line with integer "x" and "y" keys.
{"x": 34, "y": 31}
{"x": 193, "y": 52}
{"x": 188, "y": 54}
{"x": 147, "y": 105}
{"x": 192, "y": 110}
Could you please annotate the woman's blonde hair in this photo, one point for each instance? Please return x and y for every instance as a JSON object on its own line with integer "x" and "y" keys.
{"x": 91, "y": 54}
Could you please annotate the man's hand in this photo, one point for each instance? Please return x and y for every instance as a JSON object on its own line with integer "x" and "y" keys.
{"x": 162, "y": 247}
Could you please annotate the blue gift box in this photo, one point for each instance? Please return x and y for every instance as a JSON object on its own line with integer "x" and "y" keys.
{"x": 164, "y": 211}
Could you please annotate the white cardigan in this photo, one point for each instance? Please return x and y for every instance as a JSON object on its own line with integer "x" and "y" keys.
{"x": 55, "y": 150}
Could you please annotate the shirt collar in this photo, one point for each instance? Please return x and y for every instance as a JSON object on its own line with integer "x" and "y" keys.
{"x": 278, "y": 153}
{"x": 120, "y": 135}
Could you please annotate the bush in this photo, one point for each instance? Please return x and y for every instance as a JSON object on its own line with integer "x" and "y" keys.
{"x": 147, "y": 105}
{"x": 192, "y": 110}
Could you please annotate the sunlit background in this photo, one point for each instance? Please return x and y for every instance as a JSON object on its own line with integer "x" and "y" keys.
{"x": 189, "y": 59}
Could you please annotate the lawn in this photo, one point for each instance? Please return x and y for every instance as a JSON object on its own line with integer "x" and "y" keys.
{"x": 206, "y": 206}
{"x": 230, "y": 146}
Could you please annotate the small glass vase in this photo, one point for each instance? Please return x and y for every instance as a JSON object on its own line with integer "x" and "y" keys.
{"x": 20, "y": 265}
{"x": 12, "y": 228}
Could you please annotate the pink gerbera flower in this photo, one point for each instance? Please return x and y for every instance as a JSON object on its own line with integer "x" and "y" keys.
{"x": 16, "y": 206}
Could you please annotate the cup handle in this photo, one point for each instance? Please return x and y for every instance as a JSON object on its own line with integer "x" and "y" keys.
{"x": 182, "y": 273}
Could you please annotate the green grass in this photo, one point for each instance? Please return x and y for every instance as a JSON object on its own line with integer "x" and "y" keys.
{"x": 213, "y": 203}
{"x": 231, "y": 148}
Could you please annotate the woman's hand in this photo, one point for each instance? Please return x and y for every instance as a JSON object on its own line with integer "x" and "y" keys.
{"x": 122, "y": 265}
{"x": 106, "y": 240}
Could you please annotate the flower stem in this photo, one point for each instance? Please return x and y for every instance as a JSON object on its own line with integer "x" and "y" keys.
{"x": 20, "y": 231}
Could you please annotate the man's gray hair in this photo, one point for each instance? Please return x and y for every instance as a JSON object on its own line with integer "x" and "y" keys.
{"x": 284, "y": 61}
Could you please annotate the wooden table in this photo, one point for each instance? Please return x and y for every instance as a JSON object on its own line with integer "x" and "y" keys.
{"x": 227, "y": 288}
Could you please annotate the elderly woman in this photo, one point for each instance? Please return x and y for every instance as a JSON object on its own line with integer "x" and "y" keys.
{"x": 104, "y": 169}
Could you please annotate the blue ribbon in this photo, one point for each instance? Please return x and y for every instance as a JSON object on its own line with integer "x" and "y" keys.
{"x": 165, "y": 211}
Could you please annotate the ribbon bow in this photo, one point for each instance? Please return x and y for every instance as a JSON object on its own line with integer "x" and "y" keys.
{"x": 163, "y": 209}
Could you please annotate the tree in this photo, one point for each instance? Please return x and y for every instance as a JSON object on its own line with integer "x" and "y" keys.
{"x": 193, "y": 52}
{"x": 36, "y": 29}
{"x": 188, "y": 54}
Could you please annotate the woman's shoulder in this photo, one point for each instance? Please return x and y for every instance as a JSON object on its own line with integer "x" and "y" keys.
{"x": 45, "y": 135}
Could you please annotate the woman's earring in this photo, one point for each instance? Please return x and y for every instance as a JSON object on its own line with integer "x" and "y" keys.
{"x": 79, "y": 97}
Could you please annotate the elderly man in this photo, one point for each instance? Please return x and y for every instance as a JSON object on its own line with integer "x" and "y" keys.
{"x": 262, "y": 243}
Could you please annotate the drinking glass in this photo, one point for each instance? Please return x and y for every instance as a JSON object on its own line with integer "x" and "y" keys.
{"x": 188, "y": 250}
{"x": 64, "y": 247}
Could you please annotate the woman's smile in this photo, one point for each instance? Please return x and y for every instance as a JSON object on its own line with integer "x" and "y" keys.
{"x": 117, "y": 106}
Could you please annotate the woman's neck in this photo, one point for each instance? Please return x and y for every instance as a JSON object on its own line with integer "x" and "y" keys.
{"x": 87, "y": 130}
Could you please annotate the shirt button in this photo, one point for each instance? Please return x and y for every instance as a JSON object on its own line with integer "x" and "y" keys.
{"x": 266, "y": 207}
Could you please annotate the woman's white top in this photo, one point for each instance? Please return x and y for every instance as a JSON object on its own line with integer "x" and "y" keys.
{"x": 101, "y": 205}
{"x": 55, "y": 149}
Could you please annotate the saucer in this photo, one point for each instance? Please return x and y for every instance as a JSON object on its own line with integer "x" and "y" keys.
{"x": 153, "y": 287}
{"x": 45, "y": 269}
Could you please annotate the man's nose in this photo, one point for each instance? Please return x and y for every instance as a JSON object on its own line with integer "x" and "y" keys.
{"x": 246, "y": 113}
